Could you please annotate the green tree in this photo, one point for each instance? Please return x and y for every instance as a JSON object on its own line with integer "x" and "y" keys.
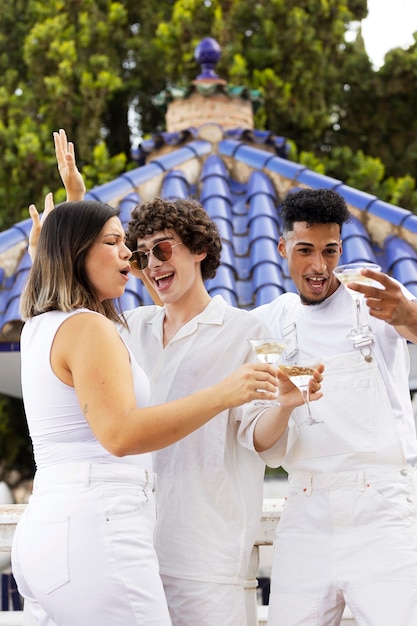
{"x": 62, "y": 64}
{"x": 15, "y": 446}
{"x": 84, "y": 64}
{"x": 291, "y": 51}
{"x": 375, "y": 110}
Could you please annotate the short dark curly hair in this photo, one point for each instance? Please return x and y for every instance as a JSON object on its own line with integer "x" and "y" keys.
{"x": 188, "y": 219}
{"x": 314, "y": 206}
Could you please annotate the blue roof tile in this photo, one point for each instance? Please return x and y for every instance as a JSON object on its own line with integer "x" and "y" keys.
{"x": 410, "y": 223}
{"x": 262, "y": 205}
{"x": 263, "y": 250}
{"x": 214, "y": 186}
{"x": 316, "y": 181}
{"x": 126, "y": 207}
{"x": 396, "y": 249}
{"x": 357, "y": 248}
{"x": 283, "y": 167}
{"x": 117, "y": 188}
{"x": 218, "y": 207}
{"x": 15, "y": 235}
{"x": 224, "y": 282}
{"x": 175, "y": 185}
{"x": 405, "y": 271}
{"x": 267, "y": 293}
{"x": 263, "y": 226}
{"x": 213, "y": 165}
{"x": 254, "y": 157}
{"x": 224, "y": 227}
{"x": 228, "y": 257}
{"x": 393, "y": 214}
{"x": 356, "y": 198}
{"x": 260, "y": 183}
{"x": 354, "y": 227}
{"x": 267, "y": 273}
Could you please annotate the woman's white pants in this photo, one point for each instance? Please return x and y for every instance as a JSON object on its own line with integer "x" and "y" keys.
{"x": 83, "y": 551}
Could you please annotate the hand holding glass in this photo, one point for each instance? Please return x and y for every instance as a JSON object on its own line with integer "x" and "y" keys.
{"x": 351, "y": 273}
{"x": 300, "y": 374}
{"x": 267, "y": 350}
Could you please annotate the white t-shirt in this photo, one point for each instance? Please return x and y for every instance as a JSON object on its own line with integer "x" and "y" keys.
{"x": 209, "y": 483}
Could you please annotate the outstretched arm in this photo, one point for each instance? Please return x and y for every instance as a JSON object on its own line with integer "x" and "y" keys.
{"x": 89, "y": 355}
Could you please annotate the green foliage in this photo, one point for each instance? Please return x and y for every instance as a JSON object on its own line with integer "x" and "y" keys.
{"x": 81, "y": 64}
{"x": 401, "y": 191}
{"x": 15, "y": 445}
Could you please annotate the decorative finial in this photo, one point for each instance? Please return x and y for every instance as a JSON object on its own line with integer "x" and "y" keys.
{"x": 207, "y": 54}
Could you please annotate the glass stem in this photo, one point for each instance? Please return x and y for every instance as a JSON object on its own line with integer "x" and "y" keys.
{"x": 358, "y": 311}
{"x": 306, "y": 394}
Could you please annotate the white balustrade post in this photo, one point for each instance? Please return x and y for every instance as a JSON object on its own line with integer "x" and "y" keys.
{"x": 250, "y": 588}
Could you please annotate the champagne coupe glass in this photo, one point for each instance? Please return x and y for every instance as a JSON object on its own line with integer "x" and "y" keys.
{"x": 351, "y": 273}
{"x": 300, "y": 373}
{"x": 267, "y": 350}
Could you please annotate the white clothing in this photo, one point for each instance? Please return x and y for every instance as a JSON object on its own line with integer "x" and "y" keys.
{"x": 205, "y": 604}
{"x": 57, "y": 426}
{"x": 348, "y": 538}
{"x": 348, "y": 531}
{"x": 209, "y": 483}
{"x": 321, "y": 334}
{"x": 83, "y": 551}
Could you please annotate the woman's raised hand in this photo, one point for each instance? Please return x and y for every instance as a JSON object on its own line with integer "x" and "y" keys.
{"x": 37, "y": 222}
{"x": 67, "y": 167}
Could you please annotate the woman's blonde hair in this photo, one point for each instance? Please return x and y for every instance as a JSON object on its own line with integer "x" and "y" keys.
{"x": 58, "y": 279}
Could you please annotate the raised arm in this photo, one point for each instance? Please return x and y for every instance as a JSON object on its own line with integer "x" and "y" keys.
{"x": 37, "y": 221}
{"x": 75, "y": 188}
{"x": 89, "y": 355}
{"x": 67, "y": 167}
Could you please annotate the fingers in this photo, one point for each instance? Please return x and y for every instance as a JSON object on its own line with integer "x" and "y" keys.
{"x": 264, "y": 380}
{"x": 34, "y": 231}
{"x": 48, "y": 205}
{"x": 59, "y": 148}
{"x": 36, "y": 220}
{"x": 62, "y": 147}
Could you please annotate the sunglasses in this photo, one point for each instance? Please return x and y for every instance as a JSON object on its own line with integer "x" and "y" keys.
{"x": 161, "y": 251}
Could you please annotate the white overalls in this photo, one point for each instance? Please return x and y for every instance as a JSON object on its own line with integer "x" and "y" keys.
{"x": 348, "y": 532}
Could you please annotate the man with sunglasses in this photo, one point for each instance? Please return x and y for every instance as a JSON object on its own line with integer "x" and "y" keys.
{"x": 210, "y": 487}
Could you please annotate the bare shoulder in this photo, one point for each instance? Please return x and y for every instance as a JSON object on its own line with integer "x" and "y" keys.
{"x": 87, "y": 326}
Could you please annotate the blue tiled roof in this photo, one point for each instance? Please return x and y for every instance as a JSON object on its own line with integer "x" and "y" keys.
{"x": 241, "y": 181}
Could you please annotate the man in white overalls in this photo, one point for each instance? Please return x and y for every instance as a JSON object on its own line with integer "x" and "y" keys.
{"x": 348, "y": 532}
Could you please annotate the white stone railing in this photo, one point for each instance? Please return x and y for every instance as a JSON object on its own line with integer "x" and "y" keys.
{"x": 10, "y": 514}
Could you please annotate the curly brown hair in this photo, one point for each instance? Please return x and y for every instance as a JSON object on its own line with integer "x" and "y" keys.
{"x": 188, "y": 219}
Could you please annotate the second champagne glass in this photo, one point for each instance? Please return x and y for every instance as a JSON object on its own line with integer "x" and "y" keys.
{"x": 300, "y": 373}
{"x": 351, "y": 273}
{"x": 267, "y": 350}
